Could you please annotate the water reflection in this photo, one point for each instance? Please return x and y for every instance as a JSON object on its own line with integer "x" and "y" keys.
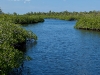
{"x": 30, "y": 44}
{"x": 93, "y": 33}
{"x": 24, "y": 47}
{"x": 21, "y": 46}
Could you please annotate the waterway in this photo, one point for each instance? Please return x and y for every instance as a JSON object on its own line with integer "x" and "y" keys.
{"x": 62, "y": 50}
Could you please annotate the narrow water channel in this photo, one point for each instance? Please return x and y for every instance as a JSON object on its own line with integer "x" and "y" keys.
{"x": 62, "y": 50}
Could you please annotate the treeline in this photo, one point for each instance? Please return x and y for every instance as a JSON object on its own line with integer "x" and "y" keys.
{"x": 26, "y": 19}
{"x": 85, "y": 20}
{"x": 12, "y": 34}
{"x": 21, "y": 19}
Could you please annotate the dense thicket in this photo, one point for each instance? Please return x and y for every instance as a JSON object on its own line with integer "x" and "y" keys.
{"x": 85, "y": 20}
{"x": 12, "y": 34}
{"x": 21, "y": 19}
{"x": 89, "y": 22}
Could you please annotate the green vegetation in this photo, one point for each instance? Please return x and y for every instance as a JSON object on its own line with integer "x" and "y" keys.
{"x": 57, "y": 15}
{"x": 21, "y": 19}
{"x": 26, "y": 19}
{"x": 89, "y": 22}
{"x": 12, "y": 34}
{"x": 85, "y": 20}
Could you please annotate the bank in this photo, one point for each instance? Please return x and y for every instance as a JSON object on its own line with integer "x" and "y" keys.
{"x": 11, "y": 36}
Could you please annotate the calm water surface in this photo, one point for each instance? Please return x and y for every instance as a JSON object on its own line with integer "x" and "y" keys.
{"x": 62, "y": 50}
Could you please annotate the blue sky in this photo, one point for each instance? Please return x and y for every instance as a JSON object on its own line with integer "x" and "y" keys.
{"x": 24, "y": 6}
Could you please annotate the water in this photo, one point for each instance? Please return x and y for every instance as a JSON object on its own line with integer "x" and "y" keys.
{"x": 62, "y": 50}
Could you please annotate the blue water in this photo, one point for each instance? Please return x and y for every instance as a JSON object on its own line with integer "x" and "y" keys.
{"x": 62, "y": 50}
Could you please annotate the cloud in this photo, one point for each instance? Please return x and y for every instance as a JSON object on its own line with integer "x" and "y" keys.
{"x": 14, "y": 0}
{"x": 25, "y": 1}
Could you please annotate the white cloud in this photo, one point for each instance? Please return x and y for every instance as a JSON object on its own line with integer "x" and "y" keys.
{"x": 14, "y": 0}
{"x": 25, "y": 1}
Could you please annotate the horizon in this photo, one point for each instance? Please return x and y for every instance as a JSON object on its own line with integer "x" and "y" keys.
{"x": 25, "y": 6}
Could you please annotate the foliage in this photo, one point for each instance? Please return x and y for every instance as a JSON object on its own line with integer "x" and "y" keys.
{"x": 11, "y": 34}
{"x": 89, "y": 23}
{"x": 1, "y": 11}
{"x": 26, "y": 19}
{"x": 85, "y": 20}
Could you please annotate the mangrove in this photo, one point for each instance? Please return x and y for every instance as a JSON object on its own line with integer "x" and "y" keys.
{"x": 11, "y": 34}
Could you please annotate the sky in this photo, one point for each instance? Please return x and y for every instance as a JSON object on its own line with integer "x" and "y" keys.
{"x": 24, "y": 6}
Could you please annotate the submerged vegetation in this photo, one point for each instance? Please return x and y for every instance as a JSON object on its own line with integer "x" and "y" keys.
{"x": 11, "y": 34}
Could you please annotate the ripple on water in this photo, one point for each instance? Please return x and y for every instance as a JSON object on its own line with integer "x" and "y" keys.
{"x": 63, "y": 50}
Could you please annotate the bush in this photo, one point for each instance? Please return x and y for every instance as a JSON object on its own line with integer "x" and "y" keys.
{"x": 10, "y": 35}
